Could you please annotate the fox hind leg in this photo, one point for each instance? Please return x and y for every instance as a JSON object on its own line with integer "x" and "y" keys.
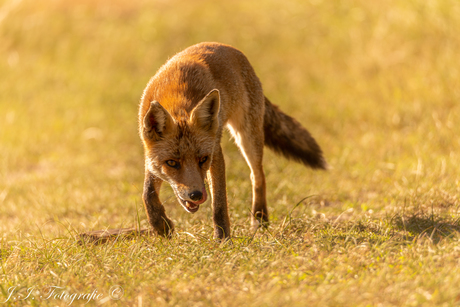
{"x": 250, "y": 139}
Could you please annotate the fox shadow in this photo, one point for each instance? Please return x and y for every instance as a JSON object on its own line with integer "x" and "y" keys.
{"x": 429, "y": 226}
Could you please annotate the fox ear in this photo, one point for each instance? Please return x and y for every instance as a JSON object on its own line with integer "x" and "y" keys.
{"x": 206, "y": 114}
{"x": 157, "y": 121}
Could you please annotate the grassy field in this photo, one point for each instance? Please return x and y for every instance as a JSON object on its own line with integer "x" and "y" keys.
{"x": 377, "y": 83}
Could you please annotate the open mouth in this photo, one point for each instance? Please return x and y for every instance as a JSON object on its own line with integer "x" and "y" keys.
{"x": 193, "y": 207}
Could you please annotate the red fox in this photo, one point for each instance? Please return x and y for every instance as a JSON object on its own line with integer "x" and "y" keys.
{"x": 182, "y": 114}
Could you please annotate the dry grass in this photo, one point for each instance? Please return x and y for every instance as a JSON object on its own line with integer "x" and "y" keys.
{"x": 376, "y": 83}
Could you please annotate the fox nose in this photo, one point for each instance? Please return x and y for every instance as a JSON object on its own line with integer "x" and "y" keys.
{"x": 196, "y": 195}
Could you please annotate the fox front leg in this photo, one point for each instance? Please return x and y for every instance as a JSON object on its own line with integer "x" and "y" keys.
{"x": 162, "y": 225}
{"x": 216, "y": 179}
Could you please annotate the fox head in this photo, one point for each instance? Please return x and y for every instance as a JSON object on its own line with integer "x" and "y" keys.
{"x": 180, "y": 151}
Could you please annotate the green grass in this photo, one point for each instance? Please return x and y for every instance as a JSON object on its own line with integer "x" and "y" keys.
{"x": 375, "y": 82}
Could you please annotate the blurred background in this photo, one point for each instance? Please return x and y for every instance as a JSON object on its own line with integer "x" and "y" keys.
{"x": 375, "y": 82}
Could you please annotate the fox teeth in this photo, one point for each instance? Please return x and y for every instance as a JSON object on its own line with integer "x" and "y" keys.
{"x": 191, "y": 205}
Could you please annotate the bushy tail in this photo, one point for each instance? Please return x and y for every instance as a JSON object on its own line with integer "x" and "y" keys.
{"x": 286, "y": 136}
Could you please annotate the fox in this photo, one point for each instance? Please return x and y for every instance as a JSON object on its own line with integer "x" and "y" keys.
{"x": 182, "y": 114}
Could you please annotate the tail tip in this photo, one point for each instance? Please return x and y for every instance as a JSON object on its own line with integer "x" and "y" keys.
{"x": 325, "y": 166}
{"x": 321, "y": 165}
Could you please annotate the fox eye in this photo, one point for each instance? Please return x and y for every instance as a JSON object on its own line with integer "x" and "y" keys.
{"x": 172, "y": 163}
{"x": 203, "y": 159}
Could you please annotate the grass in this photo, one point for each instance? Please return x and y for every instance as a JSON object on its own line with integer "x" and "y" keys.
{"x": 375, "y": 82}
